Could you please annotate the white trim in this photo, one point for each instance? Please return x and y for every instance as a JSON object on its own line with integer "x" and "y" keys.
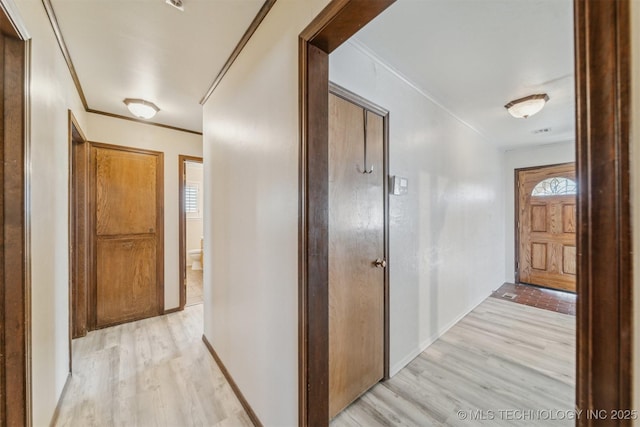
{"x": 353, "y": 41}
{"x": 398, "y": 366}
{"x": 12, "y": 11}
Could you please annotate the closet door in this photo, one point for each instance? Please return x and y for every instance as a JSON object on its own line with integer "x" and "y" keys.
{"x": 128, "y": 281}
{"x": 356, "y": 241}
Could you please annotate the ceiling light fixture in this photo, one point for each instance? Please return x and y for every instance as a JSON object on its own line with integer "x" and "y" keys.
{"x": 527, "y": 106}
{"x": 176, "y": 3}
{"x": 141, "y": 108}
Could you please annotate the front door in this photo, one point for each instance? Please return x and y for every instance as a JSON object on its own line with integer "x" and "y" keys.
{"x": 127, "y": 244}
{"x": 547, "y": 226}
{"x": 356, "y": 241}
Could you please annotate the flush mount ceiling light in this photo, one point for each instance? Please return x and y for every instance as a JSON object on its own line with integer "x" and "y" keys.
{"x": 176, "y": 3}
{"x": 527, "y": 106}
{"x": 141, "y": 108}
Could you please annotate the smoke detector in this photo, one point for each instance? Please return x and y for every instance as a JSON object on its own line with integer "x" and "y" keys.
{"x": 178, "y": 4}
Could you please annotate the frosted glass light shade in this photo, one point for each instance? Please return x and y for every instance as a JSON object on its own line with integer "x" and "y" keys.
{"x": 527, "y": 106}
{"x": 141, "y": 108}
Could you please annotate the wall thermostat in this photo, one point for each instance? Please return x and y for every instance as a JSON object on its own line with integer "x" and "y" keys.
{"x": 399, "y": 185}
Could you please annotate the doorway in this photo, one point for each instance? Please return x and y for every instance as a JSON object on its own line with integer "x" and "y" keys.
{"x": 117, "y": 234}
{"x": 191, "y": 233}
{"x": 79, "y": 244}
{"x": 603, "y": 210}
{"x": 546, "y": 226}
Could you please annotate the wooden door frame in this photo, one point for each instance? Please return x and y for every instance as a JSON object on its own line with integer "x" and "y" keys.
{"x": 15, "y": 255}
{"x": 92, "y": 297}
{"x": 78, "y": 253}
{"x": 604, "y": 313}
{"x": 516, "y": 181}
{"x": 356, "y": 99}
{"x": 182, "y": 214}
{"x": 334, "y": 25}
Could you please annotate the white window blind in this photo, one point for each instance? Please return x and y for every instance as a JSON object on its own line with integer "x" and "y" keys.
{"x": 191, "y": 198}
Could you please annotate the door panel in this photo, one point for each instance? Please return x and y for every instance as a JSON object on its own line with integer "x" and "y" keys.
{"x": 569, "y": 218}
{"x": 356, "y": 240}
{"x": 546, "y": 228}
{"x": 125, "y": 192}
{"x": 126, "y": 278}
{"x": 127, "y": 244}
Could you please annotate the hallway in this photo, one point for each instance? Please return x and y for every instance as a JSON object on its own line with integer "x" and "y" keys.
{"x": 158, "y": 372}
{"x": 154, "y": 372}
{"x": 502, "y": 356}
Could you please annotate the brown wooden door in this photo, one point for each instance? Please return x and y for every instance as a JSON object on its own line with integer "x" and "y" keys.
{"x": 128, "y": 276}
{"x": 356, "y": 240}
{"x": 547, "y": 226}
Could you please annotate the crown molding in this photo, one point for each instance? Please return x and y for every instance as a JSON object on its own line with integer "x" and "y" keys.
{"x": 145, "y": 122}
{"x": 262, "y": 13}
{"x": 48, "y": 7}
{"x": 364, "y": 49}
{"x": 11, "y": 11}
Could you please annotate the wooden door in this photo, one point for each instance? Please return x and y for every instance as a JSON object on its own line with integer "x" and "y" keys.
{"x": 128, "y": 278}
{"x": 547, "y": 226}
{"x": 356, "y": 241}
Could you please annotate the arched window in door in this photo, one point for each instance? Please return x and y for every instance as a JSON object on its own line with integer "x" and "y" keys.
{"x": 556, "y": 186}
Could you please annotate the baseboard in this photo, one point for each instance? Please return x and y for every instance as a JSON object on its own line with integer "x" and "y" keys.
{"x": 426, "y": 343}
{"x": 172, "y": 310}
{"x": 56, "y": 413}
{"x": 252, "y": 415}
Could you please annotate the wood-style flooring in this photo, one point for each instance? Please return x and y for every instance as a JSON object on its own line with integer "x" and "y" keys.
{"x": 501, "y": 357}
{"x": 153, "y": 372}
{"x": 194, "y": 287}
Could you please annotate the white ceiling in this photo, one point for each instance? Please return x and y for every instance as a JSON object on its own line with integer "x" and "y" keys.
{"x": 148, "y": 49}
{"x": 474, "y": 56}
{"x": 471, "y": 56}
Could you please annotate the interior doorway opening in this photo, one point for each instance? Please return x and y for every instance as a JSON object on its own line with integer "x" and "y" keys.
{"x": 603, "y": 235}
{"x": 191, "y": 230}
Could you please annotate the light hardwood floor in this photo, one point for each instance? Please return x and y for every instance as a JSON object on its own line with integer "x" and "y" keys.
{"x": 503, "y": 356}
{"x": 154, "y": 372}
{"x": 157, "y": 372}
{"x": 194, "y": 287}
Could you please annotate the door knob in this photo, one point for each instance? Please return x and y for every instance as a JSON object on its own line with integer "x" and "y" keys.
{"x": 380, "y": 263}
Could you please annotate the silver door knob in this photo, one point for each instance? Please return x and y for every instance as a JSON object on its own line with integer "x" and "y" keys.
{"x": 380, "y": 263}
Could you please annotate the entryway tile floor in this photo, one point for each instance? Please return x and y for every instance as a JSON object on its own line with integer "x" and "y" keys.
{"x": 535, "y": 296}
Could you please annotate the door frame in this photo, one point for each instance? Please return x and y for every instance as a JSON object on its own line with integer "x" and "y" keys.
{"x": 182, "y": 215}
{"x": 517, "y": 210}
{"x": 356, "y": 99}
{"x": 15, "y": 223}
{"x": 93, "y": 280}
{"x": 604, "y": 279}
{"x": 79, "y": 255}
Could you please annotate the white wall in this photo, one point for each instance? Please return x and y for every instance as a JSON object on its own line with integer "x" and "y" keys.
{"x": 542, "y": 155}
{"x": 251, "y": 146}
{"x": 635, "y": 194}
{"x": 194, "y": 173}
{"x": 52, "y": 95}
{"x": 446, "y": 234}
{"x": 172, "y": 143}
